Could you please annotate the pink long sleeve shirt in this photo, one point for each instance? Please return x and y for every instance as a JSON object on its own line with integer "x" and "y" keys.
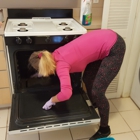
{"x": 74, "y": 56}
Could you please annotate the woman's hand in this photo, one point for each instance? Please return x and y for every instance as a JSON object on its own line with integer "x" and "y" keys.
{"x": 48, "y": 105}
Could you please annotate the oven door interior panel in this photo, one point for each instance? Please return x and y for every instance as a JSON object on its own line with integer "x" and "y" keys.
{"x": 27, "y": 112}
{"x": 30, "y": 94}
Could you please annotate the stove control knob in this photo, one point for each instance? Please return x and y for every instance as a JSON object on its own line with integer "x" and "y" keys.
{"x": 29, "y": 40}
{"x": 48, "y": 39}
{"x": 66, "y": 39}
{"x": 18, "y": 40}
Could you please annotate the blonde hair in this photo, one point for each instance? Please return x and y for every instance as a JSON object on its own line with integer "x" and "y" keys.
{"x": 45, "y": 64}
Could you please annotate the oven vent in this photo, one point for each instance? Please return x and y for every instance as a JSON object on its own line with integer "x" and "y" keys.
{"x": 56, "y": 126}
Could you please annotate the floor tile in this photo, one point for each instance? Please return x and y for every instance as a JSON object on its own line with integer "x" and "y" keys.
{"x": 3, "y": 117}
{"x": 83, "y": 132}
{"x": 117, "y": 124}
{"x": 137, "y": 133}
{"x": 112, "y": 107}
{"x": 63, "y": 134}
{"x": 2, "y": 133}
{"x": 132, "y": 118}
{"x": 124, "y": 136}
{"x": 124, "y": 104}
{"x": 29, "y": 136}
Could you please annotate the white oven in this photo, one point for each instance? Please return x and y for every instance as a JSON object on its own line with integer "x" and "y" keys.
{"x": 31, "y": 30}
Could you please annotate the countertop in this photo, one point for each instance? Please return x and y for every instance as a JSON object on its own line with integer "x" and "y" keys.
{"x": 95, "y": 24}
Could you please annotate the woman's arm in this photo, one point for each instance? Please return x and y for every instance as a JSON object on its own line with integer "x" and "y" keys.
{"x": 65, "y": 93}
{"x": 55, "y": 100}
{"x": 65, "y": 86}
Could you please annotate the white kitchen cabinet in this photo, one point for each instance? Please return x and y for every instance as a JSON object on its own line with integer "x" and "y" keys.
{"x": 5, "y": 94}
{"x": 119, "y": 15}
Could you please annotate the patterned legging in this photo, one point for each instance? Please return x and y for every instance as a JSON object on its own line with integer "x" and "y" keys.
{"x": 99, "y": 74}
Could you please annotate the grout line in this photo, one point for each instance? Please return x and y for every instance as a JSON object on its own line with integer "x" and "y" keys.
{"x": 125, "y": 121}
{"x": 39, "y": 136}
{"x": 71, "y": 134}
{"x": 3, "y": 127}
{"x": 135, "y": 135}
{"x": 6, "y": 133}
{"x": 114, "y": 105}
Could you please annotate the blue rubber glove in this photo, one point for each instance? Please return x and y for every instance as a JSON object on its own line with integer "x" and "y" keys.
{"x": 48, "y": 105}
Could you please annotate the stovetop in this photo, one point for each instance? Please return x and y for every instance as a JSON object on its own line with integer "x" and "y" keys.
{"x": 42, "y": 26}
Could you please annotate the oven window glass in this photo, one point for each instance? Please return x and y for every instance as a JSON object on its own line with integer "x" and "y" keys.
{"x": 24, "y": 72}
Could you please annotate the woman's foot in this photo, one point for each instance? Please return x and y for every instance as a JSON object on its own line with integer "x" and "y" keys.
{"x": 101, "y": 133}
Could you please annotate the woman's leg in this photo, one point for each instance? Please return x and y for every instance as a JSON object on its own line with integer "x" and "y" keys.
{"x": 108, "y": 69}
{"x": 89, "y": 76}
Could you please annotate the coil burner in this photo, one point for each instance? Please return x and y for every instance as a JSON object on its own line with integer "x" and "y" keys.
{"x": 22, "y": 24}
{"x": 67, "y": 29}
{"x": 63, "y": 23}
{"x": 22, "y": 30}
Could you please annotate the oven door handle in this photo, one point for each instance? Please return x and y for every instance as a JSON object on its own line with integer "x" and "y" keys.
{"x": 9, "y": 70}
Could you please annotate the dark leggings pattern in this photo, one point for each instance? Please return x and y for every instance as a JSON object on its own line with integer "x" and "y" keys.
{"x": 99, "y": 74}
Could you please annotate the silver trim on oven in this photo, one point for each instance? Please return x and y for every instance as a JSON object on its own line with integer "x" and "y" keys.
{"x": 55, "y": 126}
{"x": 10, "y": 73}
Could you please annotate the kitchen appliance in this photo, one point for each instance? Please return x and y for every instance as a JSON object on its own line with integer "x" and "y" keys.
{"x": 29, "y": 30}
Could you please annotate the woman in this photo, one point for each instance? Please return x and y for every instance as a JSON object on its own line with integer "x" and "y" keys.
{"x": 100, "y": 53}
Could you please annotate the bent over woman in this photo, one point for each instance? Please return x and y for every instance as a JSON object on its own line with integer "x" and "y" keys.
{"x": 99, "y": 54}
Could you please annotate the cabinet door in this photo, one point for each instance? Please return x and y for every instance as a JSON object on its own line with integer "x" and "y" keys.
{"x": 119, "y": 15}
{"x": 2, "y": 61}
{"x": 1, "y": 43}
{"x": 4, "y": 82}
{"x": 5, "y": 97}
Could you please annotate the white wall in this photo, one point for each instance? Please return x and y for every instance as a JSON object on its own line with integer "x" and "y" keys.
{"x": 135, "y": 49}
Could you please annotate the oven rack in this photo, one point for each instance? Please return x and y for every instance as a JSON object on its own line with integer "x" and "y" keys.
{"x": 56, "y": 126}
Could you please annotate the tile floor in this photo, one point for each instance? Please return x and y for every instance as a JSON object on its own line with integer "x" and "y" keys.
{"x": 124, "y": 122}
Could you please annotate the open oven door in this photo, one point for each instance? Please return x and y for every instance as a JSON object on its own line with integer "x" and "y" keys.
{"x": 30, "y": 94}
{"x": 27, "y": 114}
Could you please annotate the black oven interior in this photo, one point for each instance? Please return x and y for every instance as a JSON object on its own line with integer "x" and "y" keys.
{"x": 26, "y": 82}
{"x": 24, "y": 72}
